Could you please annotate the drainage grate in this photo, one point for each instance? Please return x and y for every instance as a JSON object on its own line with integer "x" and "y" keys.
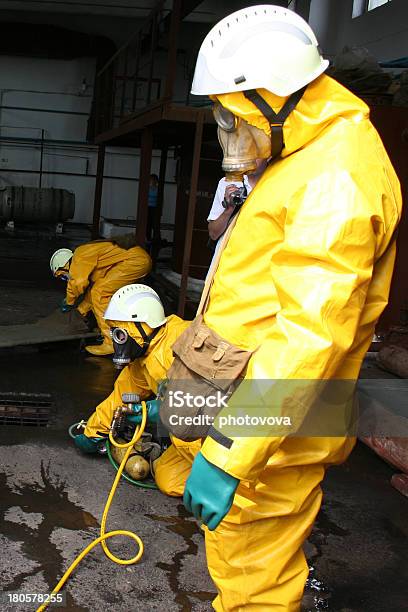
{"x": 29, "y": 409}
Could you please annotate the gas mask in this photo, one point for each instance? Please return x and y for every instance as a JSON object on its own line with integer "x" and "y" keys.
{"x": 126, "y": 349}
{"x": 63, "y": 274}
{"x": 242, "y": 143}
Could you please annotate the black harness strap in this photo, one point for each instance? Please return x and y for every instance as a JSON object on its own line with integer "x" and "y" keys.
{"x": 147, "y": 339}
{"x": 276, "y": 120}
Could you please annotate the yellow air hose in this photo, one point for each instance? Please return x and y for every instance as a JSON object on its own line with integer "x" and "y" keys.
{"x": 110, "y": 534}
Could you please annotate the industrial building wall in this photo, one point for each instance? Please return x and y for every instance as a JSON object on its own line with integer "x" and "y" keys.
{"x": 62, "y": 92}
{"x": 383, "y": 31}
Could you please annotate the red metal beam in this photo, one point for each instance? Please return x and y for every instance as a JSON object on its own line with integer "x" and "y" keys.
{"x": 153, "y": 44}
{"x": 141, "y": 121}
{"x": 159, "y": 210}
{"x": 172, "y": 57}
{"x": 191, "y": 212}
{"x": 152, "y": 115}
{"x": 98, "y": 191}
{"x": 144, "y": 179}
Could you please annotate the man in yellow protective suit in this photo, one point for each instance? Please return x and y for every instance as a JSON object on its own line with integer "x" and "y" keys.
{"x": 142, "y": 338}
{"x": 94, "y": 271}
{"x": 300, "y": 284}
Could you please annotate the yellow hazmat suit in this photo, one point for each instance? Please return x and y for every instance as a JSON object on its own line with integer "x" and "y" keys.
{"x": 96, "y": 271}
{"x": 302, "y": 281}
{"x": 142, "y": 376}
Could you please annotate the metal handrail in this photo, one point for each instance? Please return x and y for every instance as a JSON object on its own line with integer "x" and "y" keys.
{"x": 135, "y": 36}
{"x": 114, "y": 98}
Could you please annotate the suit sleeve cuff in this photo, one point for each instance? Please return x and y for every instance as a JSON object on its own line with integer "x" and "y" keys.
{"x": 243, "y": 458}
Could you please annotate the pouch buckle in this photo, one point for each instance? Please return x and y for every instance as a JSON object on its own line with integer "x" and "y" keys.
{"x": 220, "y": 352}
{"x": 200, "y": 338}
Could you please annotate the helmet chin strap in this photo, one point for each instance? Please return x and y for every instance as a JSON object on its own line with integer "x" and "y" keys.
{"x": 276, "y": 120}
{"x": 147, "y": 338}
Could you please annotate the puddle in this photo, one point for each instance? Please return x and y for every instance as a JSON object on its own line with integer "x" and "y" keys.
{"x": 183, "y": 526}
{"x": 49, "y": 502}
{"x": 317, "y": 595}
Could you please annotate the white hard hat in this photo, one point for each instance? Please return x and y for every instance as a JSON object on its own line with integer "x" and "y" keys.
{"x": 138, "y": 303}
{"x": 260, "y": 47}
{"x": 59, "y": 259}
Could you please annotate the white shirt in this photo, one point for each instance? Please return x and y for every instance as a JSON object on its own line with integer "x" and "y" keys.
{"x": 217, "y": 208}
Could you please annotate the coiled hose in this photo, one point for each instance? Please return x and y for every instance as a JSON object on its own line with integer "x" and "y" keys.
{"x": 110, "y": 534}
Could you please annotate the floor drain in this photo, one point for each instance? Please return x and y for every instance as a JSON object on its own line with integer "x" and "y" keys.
{"x": 27, "y": 409}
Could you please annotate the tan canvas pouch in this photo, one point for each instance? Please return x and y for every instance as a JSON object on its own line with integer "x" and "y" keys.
{"x": 205, "y": 372}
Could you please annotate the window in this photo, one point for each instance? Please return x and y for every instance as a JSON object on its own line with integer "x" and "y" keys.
{"x": 363, "y": 6}
{"x": 372, "y": 4}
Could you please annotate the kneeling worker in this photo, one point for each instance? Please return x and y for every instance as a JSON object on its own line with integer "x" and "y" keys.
{"x": 142, "y": 340}
{"x": 94, "y": 271}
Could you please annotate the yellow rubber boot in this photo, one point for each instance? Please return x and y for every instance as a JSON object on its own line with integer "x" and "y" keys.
{"x": 106, "y": 348}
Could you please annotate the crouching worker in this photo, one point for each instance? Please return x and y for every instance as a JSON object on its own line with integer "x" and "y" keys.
{"x": 94, "y": 271}
{"x": 142, "y": 340}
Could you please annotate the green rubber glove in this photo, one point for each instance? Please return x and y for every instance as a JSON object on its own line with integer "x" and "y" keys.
{"x": 88, "y": 445}
{"x": 153, "y": 412}
{"x": 64, "y": 307}
{"x": 209, "y": 492}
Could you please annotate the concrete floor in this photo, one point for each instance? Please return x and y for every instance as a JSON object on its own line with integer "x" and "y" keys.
{"x": 52, "y": 499}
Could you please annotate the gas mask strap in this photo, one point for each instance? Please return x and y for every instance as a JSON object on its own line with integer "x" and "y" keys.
{"x": 147, "y": 339}
{"x": 276, "y": 120}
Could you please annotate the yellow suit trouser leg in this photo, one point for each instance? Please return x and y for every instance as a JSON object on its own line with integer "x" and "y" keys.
{"x": 255, "y": 556}
{"x": 90, "y": 302}
{"x": 86, "y": 305}
{"x": 260, "y": 565}
{"x": 100, "y": 300}
{"x": 172, "y": 469}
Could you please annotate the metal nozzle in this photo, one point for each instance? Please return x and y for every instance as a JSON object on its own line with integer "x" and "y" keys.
{"x": 119, "y": 418}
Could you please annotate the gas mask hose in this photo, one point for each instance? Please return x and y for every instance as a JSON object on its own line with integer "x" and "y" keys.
{"x": 104, "y": 535}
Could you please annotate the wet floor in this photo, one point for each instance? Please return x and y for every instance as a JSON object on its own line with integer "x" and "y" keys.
{"x": 26, "y": 517}
{"x": 52, "y": 499}
{"x": 360, "y": 538}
